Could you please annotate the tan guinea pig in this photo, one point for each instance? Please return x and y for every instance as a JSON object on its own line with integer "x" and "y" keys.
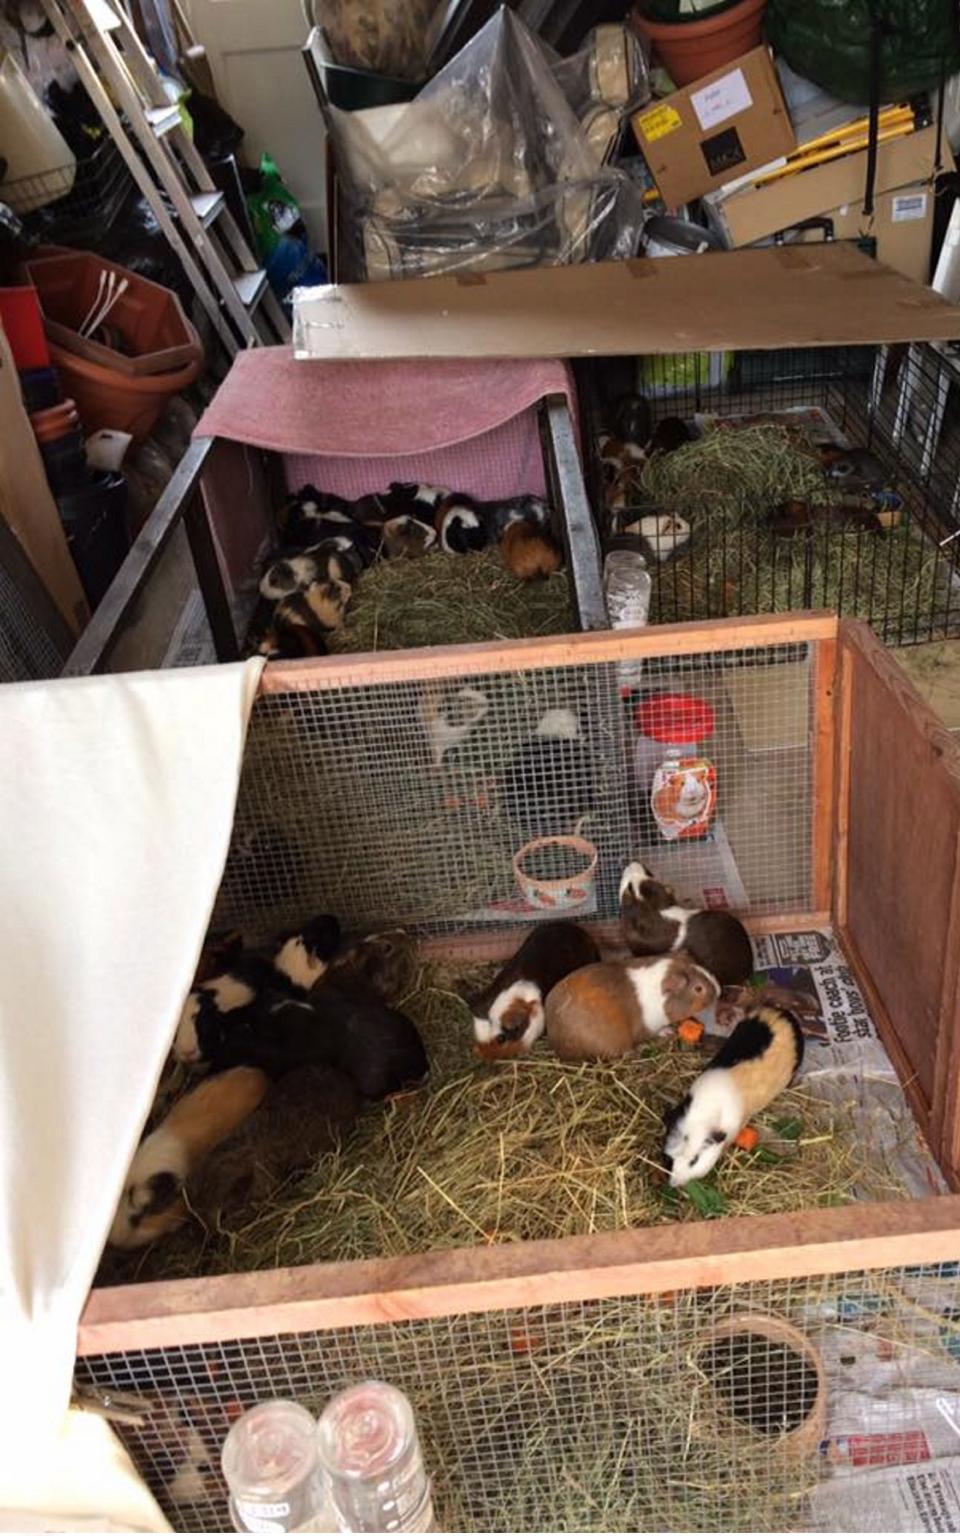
{"x": 603, "y": 1011}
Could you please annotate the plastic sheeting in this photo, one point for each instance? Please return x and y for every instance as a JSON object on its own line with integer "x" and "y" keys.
{"x": 499, "y": 161}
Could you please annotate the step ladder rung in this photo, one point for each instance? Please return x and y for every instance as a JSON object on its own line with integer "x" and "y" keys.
{"x": 207, "y": 206}
{"x": 250, "y": 288}
{"x": 162, "y": 119}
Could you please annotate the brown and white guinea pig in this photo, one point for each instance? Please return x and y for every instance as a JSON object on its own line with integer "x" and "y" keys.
{"x": 291, "y": 965}
{"x": 152, "y": 1200}
{"x": 652, "y": 923}
{"x": 407, "y": 537}
{"x": 508, "y": 1015}
{"x": 384, "y": 964}
{"x": 603, "y": 1011}
{"x": 377, "y": 1047}
{"x": 302, "y": 622}
{"x": 460, "y": 524}
{"x": 750, "y": 1069}
{"x": 531, "y": 553}
{"x": 302, "y": 1116}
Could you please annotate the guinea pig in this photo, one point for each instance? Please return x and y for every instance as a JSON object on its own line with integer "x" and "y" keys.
{"x": 661, "y": 536}
{"x": 448, "y": 716}
{"x": 603, "y": 1011}
{"x": 408, "y": 537}
{"x": 336, "y": 559}
{"x": 300, "y": 517}
{"x": 510, "y": 1011}
{"x": 384, "y": 964}
{"x": 413, "y": 499}
{"x": 294, "y": 963}
{"x": 653, "y": 924}
{"x": 219, "y": 951}
{"x": 750, "y": 1069}
{"x": 152, "y": 1200}
{"x": 669, "y": 434}
{"x": 498, "y": 516}
{"x": 374, "y": 1045}
{"x": 548, "y": 784}
{"x": 529, "y": 552}
{"x": 302, "y": 1116}
{"x": 302, "y": 622}
{"x": 632, "y": 419}
{"x": 460, "y": 525}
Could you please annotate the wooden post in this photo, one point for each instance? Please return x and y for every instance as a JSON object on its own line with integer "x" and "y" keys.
{"x": 206, "y": 560}
{"x": 824, "y": 757}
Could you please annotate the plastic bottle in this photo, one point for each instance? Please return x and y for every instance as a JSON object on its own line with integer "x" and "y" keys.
{"x": 370, "y": 1453}
{"x": 627, "y": 587}
{"x": 272, "y": 1470}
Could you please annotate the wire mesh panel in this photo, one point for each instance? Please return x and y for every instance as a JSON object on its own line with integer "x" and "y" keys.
{"x": 427, "y": 803}
{"x": 26, "y": 650}
{"x": 884, "y": 550}
{"x": 826, "y": 1403}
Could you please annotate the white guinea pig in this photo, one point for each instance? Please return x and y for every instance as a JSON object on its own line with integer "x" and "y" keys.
{"x": 748, "y": 1072}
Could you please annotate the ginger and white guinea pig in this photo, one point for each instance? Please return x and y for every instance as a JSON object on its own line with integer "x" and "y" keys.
{"x": 293, "y": 964}
{"x": 652, "y": 923}
{"x": 301, "y": 623}
{"x": 508, "y": 1015}
{"x": 531, "y": 553}
{"x": 605, "y": 1010}
{"x": 751, "y": 1068}
{"x": 152, "y": 1201}
{"x": 407, "y": 537}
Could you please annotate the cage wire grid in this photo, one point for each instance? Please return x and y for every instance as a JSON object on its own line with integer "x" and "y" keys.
{"x": 900, "y": 403}
{"x": 26, "y": 650}
{"x": 739, "y": 1407}
{"x": 404, "y": 803}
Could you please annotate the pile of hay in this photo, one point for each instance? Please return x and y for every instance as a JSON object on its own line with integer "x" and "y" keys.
{"x": 878, "y": 577}
{"x": 736, "y": 475}
{"x": 450, "y": 600}
{"x": 535, "y": 1148}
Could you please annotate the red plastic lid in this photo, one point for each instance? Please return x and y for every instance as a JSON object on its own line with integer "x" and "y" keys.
{"x": 675, "y": 717}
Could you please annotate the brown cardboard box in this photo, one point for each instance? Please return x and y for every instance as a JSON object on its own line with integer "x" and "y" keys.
{"x": 730, "y": 122}
{"x": 750, "y": 213}
{"x": 791, "y": 296}
{"x": 902, "y": 227}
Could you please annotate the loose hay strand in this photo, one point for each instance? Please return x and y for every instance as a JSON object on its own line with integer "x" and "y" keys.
{"x": 526, "y": 1149}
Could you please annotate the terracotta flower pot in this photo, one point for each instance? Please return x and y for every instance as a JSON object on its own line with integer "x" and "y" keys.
{"x": 127, "y": 402}
{"x": 691, "y": 49}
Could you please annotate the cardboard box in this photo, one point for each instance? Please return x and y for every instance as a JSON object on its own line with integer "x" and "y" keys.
{"x": 750, "y": 213}
{"x": 902, "y": 227}
{"x": 730, "y": 122}
{"x": 791, "y": 296}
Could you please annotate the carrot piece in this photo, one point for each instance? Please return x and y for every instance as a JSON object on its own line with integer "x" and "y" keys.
{"x": 746, "y": 1139}
{"x": 690, "y": 1031}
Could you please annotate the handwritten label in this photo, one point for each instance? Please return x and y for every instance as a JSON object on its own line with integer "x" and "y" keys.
{"x": 715, "y": 103}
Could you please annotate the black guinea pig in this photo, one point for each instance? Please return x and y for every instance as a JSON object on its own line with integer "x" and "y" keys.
{"x": 548, "y": 784}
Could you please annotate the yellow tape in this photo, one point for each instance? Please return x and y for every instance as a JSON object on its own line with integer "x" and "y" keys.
{"x": 658, "y": 123}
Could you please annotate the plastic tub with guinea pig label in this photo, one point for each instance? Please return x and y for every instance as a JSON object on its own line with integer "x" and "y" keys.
{"x": 676, "y": 775}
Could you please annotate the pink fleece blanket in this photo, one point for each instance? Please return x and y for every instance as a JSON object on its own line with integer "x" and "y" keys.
{"x": 353, "y": 427}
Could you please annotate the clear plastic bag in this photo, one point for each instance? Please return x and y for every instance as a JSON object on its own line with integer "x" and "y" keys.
{"x": 497, "y": 162}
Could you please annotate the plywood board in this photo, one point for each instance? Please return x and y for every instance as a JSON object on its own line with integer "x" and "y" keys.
{"x": 796, "y": 296}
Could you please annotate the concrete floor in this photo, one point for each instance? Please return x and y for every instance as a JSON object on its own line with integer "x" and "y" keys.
{"x": 934, "y": 670}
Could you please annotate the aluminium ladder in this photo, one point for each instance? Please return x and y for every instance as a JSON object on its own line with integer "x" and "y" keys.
{"x": 192, "y": 212}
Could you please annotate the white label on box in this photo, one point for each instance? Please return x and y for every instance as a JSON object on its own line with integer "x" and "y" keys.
{"x": 724, "y": 98}
{"x": 912, "y": 206}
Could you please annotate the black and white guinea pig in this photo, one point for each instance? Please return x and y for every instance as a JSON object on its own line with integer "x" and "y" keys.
{"x": 652, "y": 923}
{"x": 508, "y": 1015}
{"x": 152, "y": 1201}
{"x": 413, "y": 499}
{"x": 501, "y": 515}
{"x": 751, "y": 1068}
{"x": 300, "y": 518}
{"x": 378, "y": 1048}
{"x": 548, "y": 784}
{"x": 291, "y": 965}
{"x": 460, "y": 524}
{"x": 336, "y": 559}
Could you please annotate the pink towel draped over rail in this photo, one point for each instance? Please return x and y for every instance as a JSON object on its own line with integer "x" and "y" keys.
{"x": 351, "y": 428}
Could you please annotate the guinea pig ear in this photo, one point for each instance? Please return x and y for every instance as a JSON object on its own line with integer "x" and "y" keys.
{"x": 672, "y": 1115}
{"x": 677, "y": 978}
{"x": 164, "y": 1189}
